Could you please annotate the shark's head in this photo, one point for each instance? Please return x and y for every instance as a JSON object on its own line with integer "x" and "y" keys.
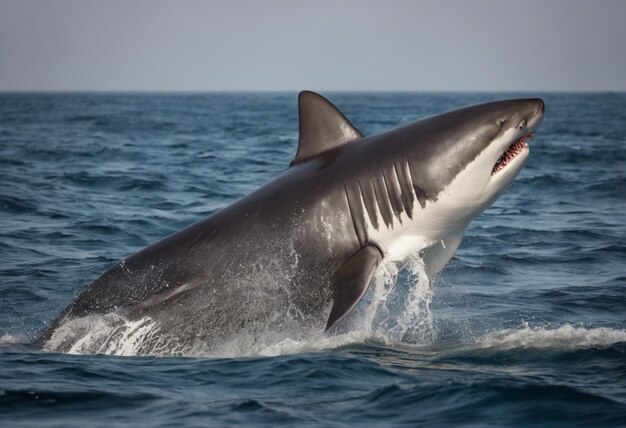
{"x": 499, "y": 146}
{"x": 464, "y": 159}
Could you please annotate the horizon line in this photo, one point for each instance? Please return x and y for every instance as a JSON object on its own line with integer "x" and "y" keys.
{"x": 224, "y": 91}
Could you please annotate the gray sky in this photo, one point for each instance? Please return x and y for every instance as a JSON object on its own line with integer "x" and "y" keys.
{"x": 322, "y": 45}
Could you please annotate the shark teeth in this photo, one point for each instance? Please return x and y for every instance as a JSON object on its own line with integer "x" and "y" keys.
{"x": 513, "y": 150}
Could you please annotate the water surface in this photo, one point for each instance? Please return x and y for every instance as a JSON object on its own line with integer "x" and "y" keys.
{"x": 525, "y": 326}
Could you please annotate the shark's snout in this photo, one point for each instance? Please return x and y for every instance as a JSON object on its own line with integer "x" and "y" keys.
{"x": 537, "y": 109}
{"x": 527, "y": 114}
{"x": 535, "y": 117}
{"x": 530, "y": 117}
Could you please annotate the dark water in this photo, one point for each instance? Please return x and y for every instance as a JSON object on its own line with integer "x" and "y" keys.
{"x": 526, "y": 325}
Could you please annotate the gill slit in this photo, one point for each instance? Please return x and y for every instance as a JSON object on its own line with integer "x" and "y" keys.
{"x": 385, "y": 211}
{"x": 398, "y": 192}
{"x": 371, "y": 210}
{"x": 408, "y": 168}
{"x": 351, "y": 210}
{"x": 386, "y": 191}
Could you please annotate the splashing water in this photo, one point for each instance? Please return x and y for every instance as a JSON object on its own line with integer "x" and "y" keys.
{"x": 397, "y": 309}
{"x": 414, "y": 323}
{"x": 399, "y": 306}
{"x": 110, "y": 334}
{"x": 10, "y": 339}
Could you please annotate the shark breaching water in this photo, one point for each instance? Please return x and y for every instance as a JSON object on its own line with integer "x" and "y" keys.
{"x": 302, "y": 249}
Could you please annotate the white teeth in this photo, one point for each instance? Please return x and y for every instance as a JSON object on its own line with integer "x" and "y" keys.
{"x": 513, "y": 150}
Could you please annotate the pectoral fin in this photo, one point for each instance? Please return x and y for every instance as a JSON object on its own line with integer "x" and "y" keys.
{"x": 351, "y": 280}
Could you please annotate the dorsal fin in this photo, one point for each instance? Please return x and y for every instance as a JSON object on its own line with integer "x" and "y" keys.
{"x": 322, "y": 126}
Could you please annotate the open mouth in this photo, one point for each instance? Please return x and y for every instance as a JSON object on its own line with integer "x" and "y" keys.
{"x": 510, "y": 153}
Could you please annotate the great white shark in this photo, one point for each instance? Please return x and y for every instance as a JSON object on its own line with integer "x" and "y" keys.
{"x": 303, "y": 248}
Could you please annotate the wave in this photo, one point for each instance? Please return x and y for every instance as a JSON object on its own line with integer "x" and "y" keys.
{"x": 16, "y": 205}
{"x": 29, "y": 399}
{"x": 565, "y": 337}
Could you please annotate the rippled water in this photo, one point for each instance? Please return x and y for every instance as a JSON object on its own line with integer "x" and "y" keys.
{"x": 526, "y": 325}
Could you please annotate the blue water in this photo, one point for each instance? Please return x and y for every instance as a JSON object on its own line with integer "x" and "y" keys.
{"x": 526, "y": 326}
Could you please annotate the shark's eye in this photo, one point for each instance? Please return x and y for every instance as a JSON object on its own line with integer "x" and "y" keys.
{"x": 522, "y": 124}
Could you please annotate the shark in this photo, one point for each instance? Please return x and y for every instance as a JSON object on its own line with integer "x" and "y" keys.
{"x": 302, "y": 249}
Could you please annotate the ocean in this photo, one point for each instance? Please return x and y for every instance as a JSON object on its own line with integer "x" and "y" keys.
{"x": 526, "y": 326}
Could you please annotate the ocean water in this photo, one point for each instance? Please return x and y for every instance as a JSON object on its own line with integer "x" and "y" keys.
{"x": 526, "y": 326}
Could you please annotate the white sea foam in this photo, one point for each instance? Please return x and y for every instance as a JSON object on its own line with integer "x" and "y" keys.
{"x": 101, "y": 334}
{"x": 6, "y": 339}
{"x": 565, "y": 337}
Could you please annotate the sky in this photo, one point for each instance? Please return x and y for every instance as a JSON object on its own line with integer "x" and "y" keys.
{"x": 327, "y": 45}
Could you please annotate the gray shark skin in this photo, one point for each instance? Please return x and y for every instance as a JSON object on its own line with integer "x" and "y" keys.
{"x": 301, "y": 250}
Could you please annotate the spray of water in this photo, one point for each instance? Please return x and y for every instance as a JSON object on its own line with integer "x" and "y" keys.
{"x": 396, "y": 309}
{"x": 406, "y": 312}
